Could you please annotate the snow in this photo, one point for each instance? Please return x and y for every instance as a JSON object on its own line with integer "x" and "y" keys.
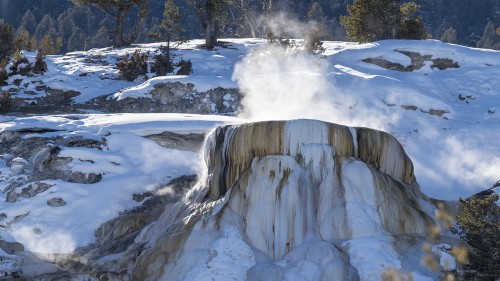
{"x": 446, "y": 260}
{"x": 372, "y": 256}
{"x": 443, "y": 118}
{"x": 129, "y": 164}
{"x": 455, "y": 151}
{"x": 455, "y": 154}
{"x": 102, "y": 124}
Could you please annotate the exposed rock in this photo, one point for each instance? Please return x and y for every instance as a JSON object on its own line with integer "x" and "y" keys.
{"x": 114, "y": 253}
{"x": 165, "y": 97}
{"x": 34, "y": 189}
{"x": 435, "y": 112}
{"x": 56, "y": 97}
{"x": 15, "y": 220}
{"x": 189, "y": 142}
{"x": 176, "y": 97}
{"x": 248, "y": 141}
{"x": 140, "y": 197}
{"x": 40, "y": 157}
{"x": 12, "y": 197}
{"x": 55, "y": 101}
{"x": 17, "y": 165}
{"x": 387, "y": 64}
{"x": 443, "y": 64}
{"x": 417, "y": 62}
{"x": 11, "y": 247}
{"x": 409, "y": 107}
{"x": 487, "y": 192}
{"x": 56, "y": 202}
{"x": 10, "y": 271}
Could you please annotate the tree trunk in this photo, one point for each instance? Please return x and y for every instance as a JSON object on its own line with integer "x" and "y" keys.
{"x": 211, "y": 30}
{"x": 118, "y": 32}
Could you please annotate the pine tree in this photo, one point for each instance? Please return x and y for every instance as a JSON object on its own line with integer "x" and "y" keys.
{"x": 314, "y": 35}
{"x": 77, "y": 40}
{"x": 66, "y": 27}
{"x": 488, "y": 40}
{"x": 29, "y": 22}
{"x": 6, "y": 41}
{"x": 50, "y": 46}
{"x": 23, "y": 40}
{"x": 118, "y": 9}
{"x": 315, "y": 12}
{"x": 154, "y": 29}
{"x": 411, "y": 25}
{"x": 449, "y": 36}
{"x": 371, "y": 20}
{"x": 478, "y": 224}
{"x": 171, "y": 28}
{"x": 46, "y": 26}
{"x": 102, "y": 38}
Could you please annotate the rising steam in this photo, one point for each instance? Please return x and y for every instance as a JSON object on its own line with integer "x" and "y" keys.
{"x": 289, "y": 83}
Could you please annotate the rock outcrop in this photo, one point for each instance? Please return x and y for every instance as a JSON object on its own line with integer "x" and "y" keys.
{"x": 35, "y": 158}
{"x": 417, "y": 61}
{"x": 282, "y": 194}
{"x": 164, "y": 97}
{"x": 175, "y": 97}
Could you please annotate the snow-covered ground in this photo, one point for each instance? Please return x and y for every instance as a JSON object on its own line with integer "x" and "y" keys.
{"x": 455, "y": 151}
{"x": 129, "y": 162}
{"x": 447, "y": 120}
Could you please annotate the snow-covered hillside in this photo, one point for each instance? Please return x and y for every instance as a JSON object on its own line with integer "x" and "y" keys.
{"x": 64, "y": 175}
{"x": 446, "y": 119}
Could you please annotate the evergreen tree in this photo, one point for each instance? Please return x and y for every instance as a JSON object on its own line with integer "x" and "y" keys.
{"x": 23, "y": 40}
{"x": 315, "y": 12}
{"x": 29, "y": 22}
{"x": 371, "y": 20}
{"x": 49, "y": 45}
{"x": 211, "y": 14}
{"x": 171, "y": 24}
{"x": 46, "y": 26}
{"x": 77, "y": 40}
{"x": 478, "y": 224}
{"x": 313, "y": 36}
{"x": 102, "y": 38}
{"x": 154, "y": 29}
{"x": 171, "y": 29}
{"x": 449, "y": 36}
{"x": 118, "y": 9}
{"x": 411, "y": 25}
{"x": 65, "y": 27}
{"x": 6, "y": 41}
{"x": 488, "y": 40}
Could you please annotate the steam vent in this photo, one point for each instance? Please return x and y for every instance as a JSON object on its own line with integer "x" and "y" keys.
{"x": 300, "y": 200}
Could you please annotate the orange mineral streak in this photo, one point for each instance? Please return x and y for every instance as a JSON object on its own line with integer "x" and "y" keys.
{"x": 232, "y": 148}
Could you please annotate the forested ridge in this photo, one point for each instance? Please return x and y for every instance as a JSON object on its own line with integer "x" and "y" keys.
{"x": 466, "y": 22}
